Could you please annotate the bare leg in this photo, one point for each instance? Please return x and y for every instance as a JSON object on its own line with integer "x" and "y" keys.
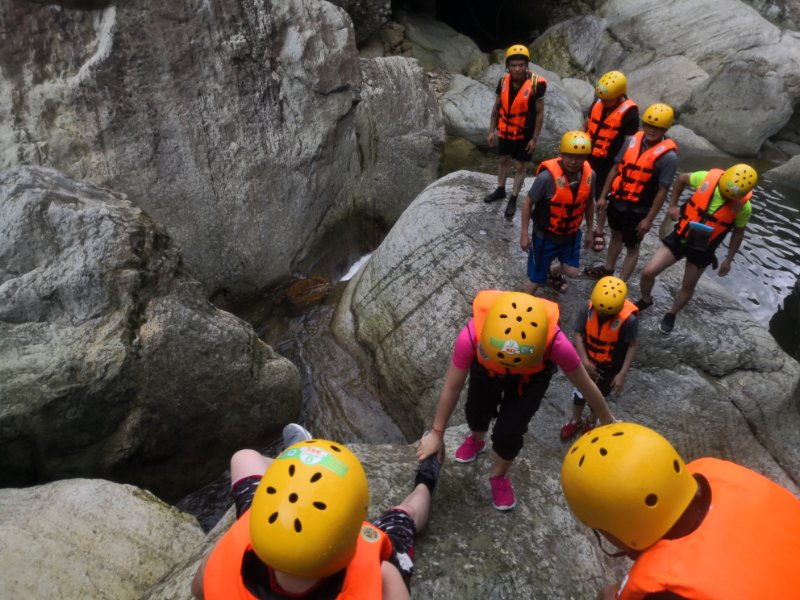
{"x": 418, "y": 505}
{"x": 662, "y": 259}
{"x": 519, "y": 178}
{"x": 530, "y": 287}
{"x": 501, "y": 465}
{"x": 502, "y": 171}
{"x": 629, "y": 263}
{"x": 691, "y": 275}
{"x": 614, "y": 250}
{"x": 245, "y": 463}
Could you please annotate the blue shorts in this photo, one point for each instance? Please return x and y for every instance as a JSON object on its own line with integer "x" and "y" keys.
{"x": 543, "y": 251}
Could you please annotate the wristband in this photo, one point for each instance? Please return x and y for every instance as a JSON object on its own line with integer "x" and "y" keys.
{"x": 439, "y": 431}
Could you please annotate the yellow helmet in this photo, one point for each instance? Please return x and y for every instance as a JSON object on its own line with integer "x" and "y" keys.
{"x": 659, "y": 115}
{"x": 515, "y": 331}
{"x": 576, "y": 142}
{"x": 308, "y": 509}
{"x": 518, "y": 51}
{"x": 609, "y": 295}
{"x": 737, "y": 181}
{"x": 612, "y": 85}
{"x": 627, "y": 480}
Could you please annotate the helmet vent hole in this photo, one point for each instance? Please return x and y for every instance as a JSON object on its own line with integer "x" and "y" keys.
{"x": 500, "y": 355}
{"x": 517, "y": 359}
{"x": 316, "y": 477}
{"x": 651, "y": 500}
{"x": 603, "y": 451}
{"x": 594, "y": 439}
{"x": 292, "y": 498}
{"x": 508, "y": 330}
{"x": 271, "y": 490}
{"x": 272, "y": 518}
{"x": 298, "y": 526}
{"x": 534, "y": 324}
{"x": 618, "y": 433}
{"x": 503, "y": 316}
{"x": 320, "y": 505}
{"x": 676, "y": 465}
{"x": 580, "y": 462}
{"x": 574, "y": 450}
{"x": 529, "y": 309}
{"x": 335, "y": 448}
{"x": 514, "y": 304}
{"x": 291, "y": 470}
{"x": 522, "y": 334}
{"x": 519, "y": 319}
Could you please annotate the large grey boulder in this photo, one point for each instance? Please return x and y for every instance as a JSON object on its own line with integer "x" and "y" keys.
{"x": 719, "y": 385}
{"x": 95, "y": 539}
{"x": 231, "y": 123}
{"x": 736, "y": 92}
{"x": 788, "y": 173}
{"x": 368, "y": 15}
{"x": 112, "y": 363}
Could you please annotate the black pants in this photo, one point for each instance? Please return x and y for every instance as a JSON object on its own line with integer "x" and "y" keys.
{"x": 510, "y": 399}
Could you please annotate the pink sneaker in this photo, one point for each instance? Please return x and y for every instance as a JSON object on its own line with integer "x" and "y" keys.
{"x": 469, "y": 449}
{"x": 571, "y": 428}
{"x": 502, "y": 493}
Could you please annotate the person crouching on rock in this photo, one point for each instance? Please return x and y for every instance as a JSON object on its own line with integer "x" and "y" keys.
{"x": 711, "y": 529}
{"x": 300, "y": 529}
{"x": 509, "y": 349}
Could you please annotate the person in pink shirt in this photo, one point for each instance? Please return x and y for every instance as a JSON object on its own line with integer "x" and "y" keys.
{"x": 510, "y": 349}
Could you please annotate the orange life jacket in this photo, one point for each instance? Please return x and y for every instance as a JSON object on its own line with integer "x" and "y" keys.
{"x": 746, "y": 547}
{"x": 636, "y": 170}
{"x": 566, "y": 208}
{"x": 222, "y": 579}
{"x": 511, "y": 121}
{"x": 480, "y": 308}
{"x": 601, "y": 340}
{"x": 696, "y": 209}
{"x": 604, "y": 131}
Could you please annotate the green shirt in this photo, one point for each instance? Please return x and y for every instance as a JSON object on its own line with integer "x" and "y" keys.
{"x": 742, "y": 217}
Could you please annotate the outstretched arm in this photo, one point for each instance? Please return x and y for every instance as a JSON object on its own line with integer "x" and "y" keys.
{"x": 589, "y": 390}
{"x": 453, "y": 384}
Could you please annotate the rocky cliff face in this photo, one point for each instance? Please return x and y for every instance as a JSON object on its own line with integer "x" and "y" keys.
{"x": 231, "y": 123}
{"x": 112, "y": 362}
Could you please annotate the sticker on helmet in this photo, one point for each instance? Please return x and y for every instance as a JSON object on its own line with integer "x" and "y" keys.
{"x": 511, "y": 346}
{"x": 315, "y": 456}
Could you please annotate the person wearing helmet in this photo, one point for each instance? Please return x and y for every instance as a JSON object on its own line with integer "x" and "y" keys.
{"x": 559, "y": 199}
{"x": 720, "y": 204}
{"x": 516, "y": 121}
{"x": 612, "y": 118}
{"x": 635, "y": 190}
{"x": 510, "y": 349}
{"x": 606, "y": 332}
{"x": 301, "y": 530}
{"x": 707, "y": 529}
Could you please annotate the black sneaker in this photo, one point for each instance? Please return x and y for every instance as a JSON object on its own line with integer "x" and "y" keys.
{"x": 429, "y": 469}
{"x": 643, "y": 304}
{"x": 511, "y": 207}
{"x": 497, "y": 194}
{"x": 667, "y": 324}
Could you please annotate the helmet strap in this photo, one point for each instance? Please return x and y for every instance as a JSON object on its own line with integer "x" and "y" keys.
{"x": 629, "y": 553}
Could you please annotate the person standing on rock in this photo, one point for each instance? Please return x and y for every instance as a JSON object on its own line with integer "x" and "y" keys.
{"x": 635, "y": 190}
{"x": 510, "y": 349}
{"x": 720, "y": 204}
{"x": 711, "y": 529}
{"x": 559, "y": 199}
{"x": 516, "y": 121}
{"x": 612, "y": 118}
{"x": 301, "y": 531}
{"x": 606, "y": 332}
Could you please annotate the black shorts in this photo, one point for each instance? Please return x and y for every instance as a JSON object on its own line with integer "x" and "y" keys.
{"x": 395, "y": 523}
{"x": 514, "y": 148}
{"x": 602, "y": 168}
{"x": 699, "y": 258}
{"x": 625, "y": 221}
